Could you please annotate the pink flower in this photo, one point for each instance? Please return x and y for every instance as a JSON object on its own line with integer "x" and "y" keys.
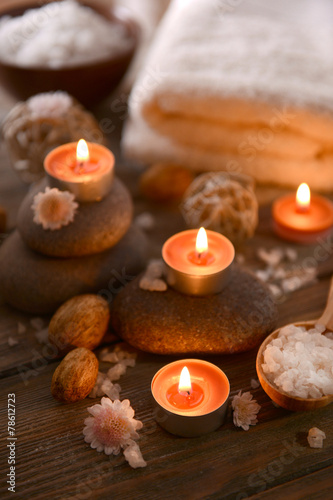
{"x": 112, "y": 428}
{"x": 245, "y": 410}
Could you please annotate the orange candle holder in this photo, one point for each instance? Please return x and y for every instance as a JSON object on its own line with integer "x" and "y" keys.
{"x": 198, "y": 273}
{"x": 89, "y": 179}
{"x": 194, "y": 411}
{"x": 302, "y": 221}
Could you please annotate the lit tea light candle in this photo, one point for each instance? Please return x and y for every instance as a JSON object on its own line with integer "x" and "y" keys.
{"x": 198, "y": 262}
{"x": 190, "y": 397}
{"x": 303, "y": 218}
{"x": 85, "y": 169}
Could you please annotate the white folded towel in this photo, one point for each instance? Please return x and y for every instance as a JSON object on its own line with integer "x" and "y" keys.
{"x": 244, "y": 86}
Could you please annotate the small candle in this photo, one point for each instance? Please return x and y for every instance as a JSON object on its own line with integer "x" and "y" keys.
{"x": 198, "y": 263}
{"x": 302, "y": 218}
{"x": 190, "y": 396}
{"x": 85, "y": 169}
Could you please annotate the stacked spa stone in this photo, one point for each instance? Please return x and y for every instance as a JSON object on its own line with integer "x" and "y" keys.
{"x": 98, "y": 252}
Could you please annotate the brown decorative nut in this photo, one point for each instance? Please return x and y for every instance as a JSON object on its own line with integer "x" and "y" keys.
{"x": 75, "y": 377}
{"x": 165, "y": 182}
{"x": 81, "y": 321}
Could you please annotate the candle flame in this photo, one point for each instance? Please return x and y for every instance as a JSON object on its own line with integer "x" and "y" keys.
{"x": 201, "y": 245}
{"x": 303, "y": 197}
{"x": 185, "y": 385}
{"x": 82, "y": 151}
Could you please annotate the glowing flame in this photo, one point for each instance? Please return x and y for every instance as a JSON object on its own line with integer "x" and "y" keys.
{"x": 82, "y": 151}
{"x": 303, "y": 197}
{"x": 201, "y": 245}
{"x": 185, "y": 385}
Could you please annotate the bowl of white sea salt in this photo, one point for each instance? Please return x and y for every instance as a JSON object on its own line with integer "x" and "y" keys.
{"x": 295, "y": 366}
{"x": 80, "y": 47}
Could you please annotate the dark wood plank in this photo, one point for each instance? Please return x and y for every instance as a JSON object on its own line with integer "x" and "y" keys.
{"x": 315, "y": 486}
{"x": 54, "y": 461}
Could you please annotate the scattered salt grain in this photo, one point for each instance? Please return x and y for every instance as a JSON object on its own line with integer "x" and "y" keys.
{"x": 37, "y": 323}
{"x": 254, "y": 383}
{"x": 291, "y": 254}
{"x": 153, "y": 284}
{"x": 271, "y": 257}
{"x": 42, "y": 336}
{"x": 133, "y": 455}
{"x": 299, "y": 362}
{"x": 152, "y": 278}
{"x": 21, "y": 328}
{"x": 60, "y": 34}
{"x": 316, "y": 437}
{"x": 275, "y": 290}
{"x": 12, "y": 341}
{"x": 240, "y": 258}
{"x": 145, "y": 221}
{"x": 116, "y": 371}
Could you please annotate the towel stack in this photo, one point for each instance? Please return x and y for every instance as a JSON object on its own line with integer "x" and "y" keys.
{"x": 239, "y": 86}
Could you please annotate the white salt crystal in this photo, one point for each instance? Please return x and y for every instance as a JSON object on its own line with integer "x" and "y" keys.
{"x": 275, "y": 290}
{"x": 116, "y": 371}
{"x": 42, "y": 336}
{"x": 152, "y": 284}
{"x": 60, "y": 34}
{"x": 291, "y": 254}
{"x": 21, "y": 328}
{"x": 110, "y": 389}
{"x": 263, "y": 274}
{"x": 110, "y": 357}
{"x": 145, "y": 221}
{"x": 316, "y": 437}
{"x": 133, "y": 455}
{"x": 254, "y": 383}
{"x": 271, "y": 257}
{"x": 240, "y": 258}
{"x": 12, "y": 341}
{"x": 300, "y": 362}
{"x": 37, "y": 323}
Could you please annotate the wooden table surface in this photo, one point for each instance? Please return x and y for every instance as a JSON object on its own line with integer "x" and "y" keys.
{"x": 270, "y": 461}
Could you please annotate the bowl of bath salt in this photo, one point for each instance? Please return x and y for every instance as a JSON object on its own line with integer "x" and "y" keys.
{"x": 295, "y": 363}
{"x": 81, "y": 48}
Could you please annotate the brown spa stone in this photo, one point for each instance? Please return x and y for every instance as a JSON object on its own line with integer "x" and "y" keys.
{"x": 39, "y": 285}
{"x": 97, "y": 226}
{"x": 235, "y": 320}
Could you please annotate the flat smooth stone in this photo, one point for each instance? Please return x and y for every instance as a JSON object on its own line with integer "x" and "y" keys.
{"x": 97, "y": 226}
{"x": 235, "y": 320}
{"x": 39, "y": 285}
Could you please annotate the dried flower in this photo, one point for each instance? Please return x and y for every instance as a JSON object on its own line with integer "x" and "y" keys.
{"x": 112, "y": 428}
{"x": 53, "y": 208}
{"x": 245, "y": 410}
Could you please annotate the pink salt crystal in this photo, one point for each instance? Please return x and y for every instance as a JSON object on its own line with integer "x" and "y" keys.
{"x": 316, "y": 437}
{"x": 116, "y": 371}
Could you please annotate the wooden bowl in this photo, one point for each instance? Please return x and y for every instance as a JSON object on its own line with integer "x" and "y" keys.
{"x": 281, "y": 398}
{"x": 90, "y": 83}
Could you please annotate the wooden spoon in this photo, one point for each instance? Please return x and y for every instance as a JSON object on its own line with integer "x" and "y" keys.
{"x": 278, "y": 396}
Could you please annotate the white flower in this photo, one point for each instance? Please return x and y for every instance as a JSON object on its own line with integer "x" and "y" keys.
{"x": 53, "y": 208}
{"x": 49, "y": 104}
{"x": 112, "y": 428}
{"x": 245, "y": 410}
